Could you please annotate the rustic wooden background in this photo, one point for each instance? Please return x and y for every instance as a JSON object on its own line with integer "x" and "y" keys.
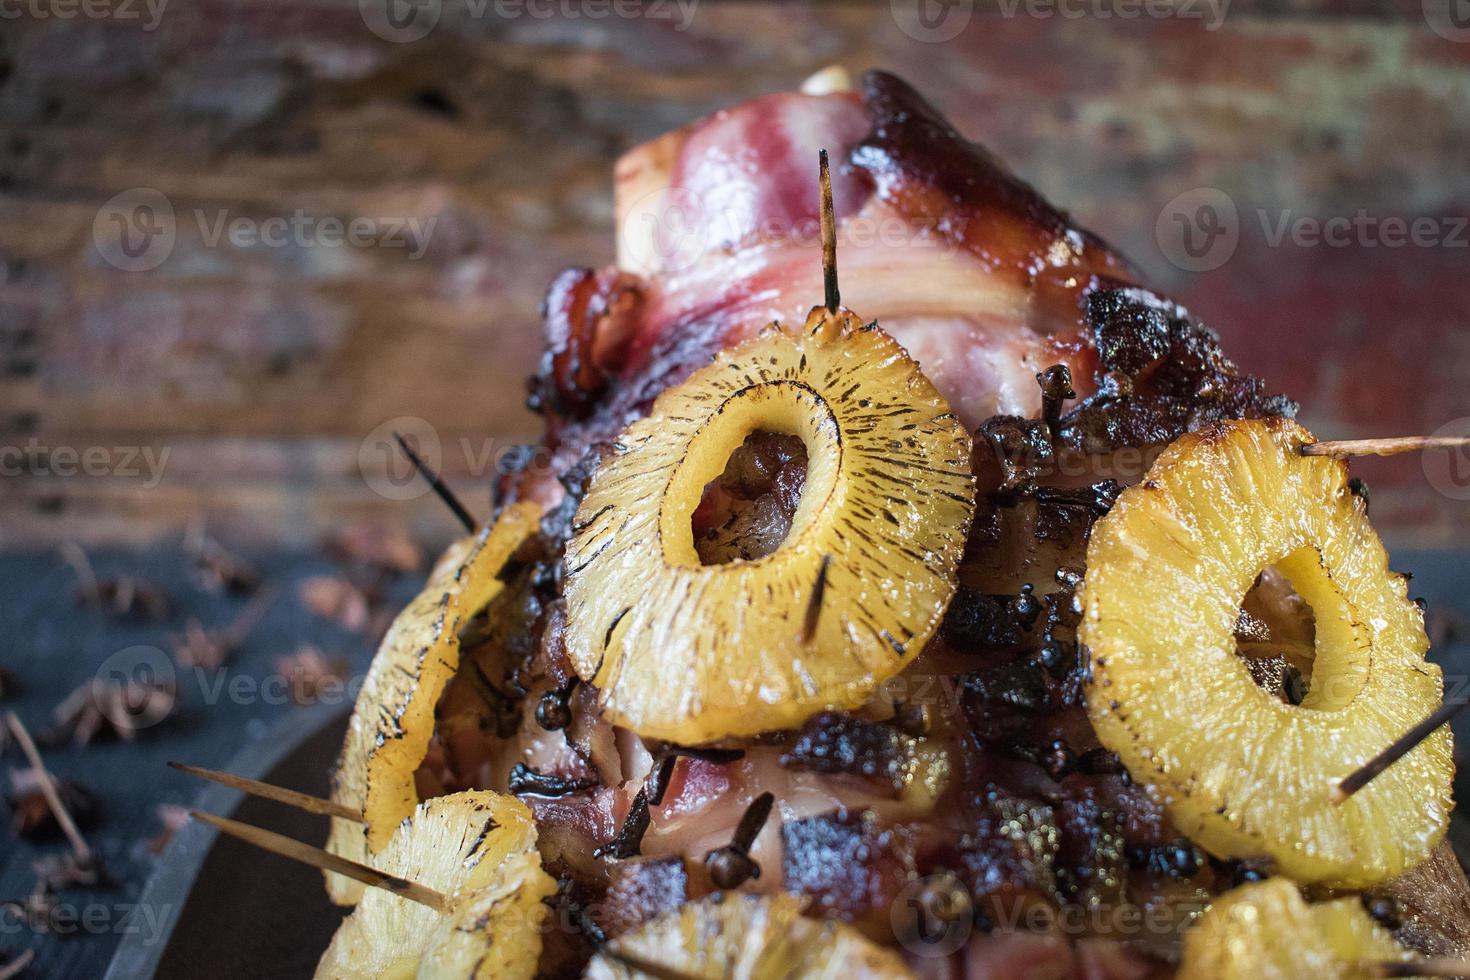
{"x": 262, "y": 370}
{"x": 270, "y": 375}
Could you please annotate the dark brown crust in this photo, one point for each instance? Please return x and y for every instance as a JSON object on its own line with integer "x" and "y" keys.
{"x": 1434, "y": 905}
{"x": 1160, "y": 373}
{"x": 938, "y": 179}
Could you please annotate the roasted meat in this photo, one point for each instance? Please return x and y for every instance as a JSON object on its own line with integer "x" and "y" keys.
{"x": 972, "y": 788}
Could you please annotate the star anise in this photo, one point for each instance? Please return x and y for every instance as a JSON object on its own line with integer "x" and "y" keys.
{"x": 61, "y": 871}
{"x": 118, "y": 707}
{"x": 122, "y": 596}
{"x": 217, "y": 571}
{"x": 173, "y": 818}
{"x": 334, "y": 597}
{"x": 375, "y": 545}
{"x": 32, "y": 818}
{"x": 308, "y": 671}
{"x": 212, "y": 649}
{"x": 199, "y": 647}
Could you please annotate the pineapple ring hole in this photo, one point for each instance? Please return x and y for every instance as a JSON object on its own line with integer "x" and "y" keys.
{"x": 747, "y": 510}
{"x": 780, "y": 408}
{"x": 1312, "y": 630}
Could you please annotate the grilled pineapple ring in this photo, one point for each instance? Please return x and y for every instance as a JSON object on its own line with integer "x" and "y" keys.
{"x": 1242, "y": 772}
{"x": 749, "y": 937}
{"x": 692, "y": 653}
{"x": 476, "y": 849}
{"x": 1266, "y": 931}
{"x": 393, "y": 718}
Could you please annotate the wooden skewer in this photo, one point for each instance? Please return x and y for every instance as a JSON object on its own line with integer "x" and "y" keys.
{"x": 1435, "y": 967}
{"x": 318, "y": 858}
{"x": 301, "y": 801}
{"x": 1401, "y": 747}
{"x": 445, "y": 494}
{"x": 1345, "y": 448}
{"x": 79, "y": 847}
{"x": 829, "y": 237}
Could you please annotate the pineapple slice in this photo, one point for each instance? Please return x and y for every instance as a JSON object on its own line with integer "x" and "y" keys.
{"x": 1266, "y": 931}
{"x": 479, "y": 851}
{"x": 1243, "y": 773}
{"x": 737, "y": 936}
{"x": 393, "y": 719}
{"x": 692, "y": 653}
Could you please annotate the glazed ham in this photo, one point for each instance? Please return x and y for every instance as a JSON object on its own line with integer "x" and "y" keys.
{"x": 982, "y": 281}
{"x": 977, "y": 765}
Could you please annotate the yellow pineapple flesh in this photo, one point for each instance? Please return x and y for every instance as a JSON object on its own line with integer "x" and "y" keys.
{"x": 1242, "y": 772}
{"x": 1267, "y": 931}
{"x": 393, "y": 718}
{"x": 738, "y": 936}
{"x": 479, "y": 851}
{"x": 689, "y": 652}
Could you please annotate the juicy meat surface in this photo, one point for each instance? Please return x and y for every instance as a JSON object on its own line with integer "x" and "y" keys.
{"x": 1072, "y": 375}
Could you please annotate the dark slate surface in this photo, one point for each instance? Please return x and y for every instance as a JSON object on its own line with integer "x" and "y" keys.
{"x": 54, "y": 646}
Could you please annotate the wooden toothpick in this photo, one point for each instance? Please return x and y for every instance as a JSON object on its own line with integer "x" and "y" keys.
{"x": 1399, "y": 748}
{"x": 829, "y": 237}
{"x": 440, "y": 488}
{"x": 316, "y": 857}
{"x": 290, "y": 797}
{"x": 1345, "y": 448}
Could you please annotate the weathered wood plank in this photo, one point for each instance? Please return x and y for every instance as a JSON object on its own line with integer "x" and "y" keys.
{"x": 501, "y": 132}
